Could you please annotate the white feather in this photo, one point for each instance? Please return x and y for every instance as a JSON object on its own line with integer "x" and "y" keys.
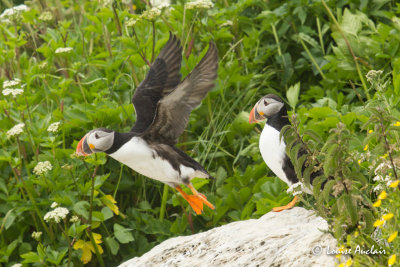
{"x": 137, "y": 155}
{"x": 273, "y": 151}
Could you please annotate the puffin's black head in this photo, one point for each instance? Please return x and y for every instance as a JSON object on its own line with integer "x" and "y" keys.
{"x": 265, "y": 108}
{"x": 97, "y": 140}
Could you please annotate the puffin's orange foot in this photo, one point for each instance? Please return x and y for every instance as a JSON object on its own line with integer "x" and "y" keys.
{"x": 196, "y": 201}
{"x": 286, "y": 207}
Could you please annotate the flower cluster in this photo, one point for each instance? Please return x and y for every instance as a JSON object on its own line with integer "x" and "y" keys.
{"x": 56, "y": 215}
{"x": 74, "y": 219}
{"x": 197, "y": 4}
{"x": 53, "y": 128}
{"x": 14, "y": 12}
{"x": 12, "y": 83}
{"x": 54, "y": 205}
{"x": 63, "y": 50}
{"x": 46, "y": 16}
{"x": 372, "y": 75}
{"x": 9, "y": 87}
{"x": 36, "y": 235}
{"x": 131, "y": 22}
{"x": 42, "y": 167}
{"x": 16, "y": 130}
{"x": 13, "y": 92}
{"x": 296, "y": 189}
{"x": 160, "y": 3}
{"x": 151, "y": 14}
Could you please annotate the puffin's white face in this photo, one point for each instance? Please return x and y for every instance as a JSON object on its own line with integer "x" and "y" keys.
{"x": 98, "y": 140}
{"x": 265, "y": 108}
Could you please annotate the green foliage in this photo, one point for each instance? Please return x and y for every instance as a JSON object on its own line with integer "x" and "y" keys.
{"x": 354, "y": 162}
{"x": 315, "y": 53}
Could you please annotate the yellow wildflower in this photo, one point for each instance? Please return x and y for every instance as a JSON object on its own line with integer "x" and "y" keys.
{"x": 392, "y": 236}
{"x": 387, "y": 216}
{"x": 366, "y": 147}
{"x": 379, "y": 223}
{"x": 394, "y": 184}
{"x": 349, "y": 262}
{"x": 392, "y": 260}
{"x": 382, "y": 195}
{"x": 341, "y": 265}
{"x": 397, "y": 123}
{"x": 370, "y": 131}
{"x": 359, "y": 162}
{"x": 87, "y": 247}
{"x": 377, "y": 203}
{"x": 356, "y": 233}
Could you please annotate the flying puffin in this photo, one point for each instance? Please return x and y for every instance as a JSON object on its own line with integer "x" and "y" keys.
{"x": 272, "y": 149}
{"x": 163, "y": 104}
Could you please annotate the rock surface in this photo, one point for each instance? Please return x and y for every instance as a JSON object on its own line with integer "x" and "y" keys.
{"x": 288, "y": 238}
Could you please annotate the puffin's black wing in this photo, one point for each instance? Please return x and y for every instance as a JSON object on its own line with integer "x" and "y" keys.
{"x": 174, "y": 109}
{"x": 163, "y": 76}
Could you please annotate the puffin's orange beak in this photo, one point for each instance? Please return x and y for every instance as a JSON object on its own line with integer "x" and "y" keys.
{"x": 252, "y": 118}
{"x": 79, "y": 147}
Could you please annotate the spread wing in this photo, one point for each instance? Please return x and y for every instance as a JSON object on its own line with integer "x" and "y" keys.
{"x": 174, "y": 109}
{"x": 163, "y": 76}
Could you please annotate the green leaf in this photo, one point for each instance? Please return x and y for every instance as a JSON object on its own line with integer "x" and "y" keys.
{"x": 30, "y": 257}
{"x": 351, "y": 208}
{"x": 112, "y": 244}
{"x": 123, "y": 234}
{"x": 82, "y": 208}
{"x": 292, "y": 95}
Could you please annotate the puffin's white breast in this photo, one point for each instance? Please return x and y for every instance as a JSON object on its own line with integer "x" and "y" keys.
{"x": 273, "y": 151}
{"x": 137, "y": 155}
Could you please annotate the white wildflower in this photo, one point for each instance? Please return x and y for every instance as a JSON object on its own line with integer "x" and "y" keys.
{"x": 199, "y": 4}
{"x": 13, "y": 12}
{"x": 74, "y": 219}
{"x": 378, "y": 178}
{"x": 295, "y": 189}
{"x": 56, "y": 215}
{"x": 42, "y": 167}
{"x": 160, "y": 3}
{"x": 382, "y": 167}
{"x": 12, "y": 83}
{"x": 43, "y": 65}
{"x": 16, "y": 130}
{"x": 54, "y": 205}
{"x": 13, "y": 92}
{"x": 131, "y": 22}
{"x": 46, "y": 16}
{"x": 378, "y": 188}
{"x": 373, "y": 75}
{"x": 17, "y": 265}
{"x": 63, "y": 50}
{"x": 36, "y": 235}
{"x": 151, "y": 14}
{"x": 53, "y": 128}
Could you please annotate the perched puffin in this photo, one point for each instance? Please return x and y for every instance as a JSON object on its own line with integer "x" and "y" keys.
{"x": 272, "y": 149}
{"x": 163, "y": 104}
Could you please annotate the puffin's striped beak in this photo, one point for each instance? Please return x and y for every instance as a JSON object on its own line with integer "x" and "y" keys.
{"x": 79, "y": 148}
{"x": 252, "y": 117}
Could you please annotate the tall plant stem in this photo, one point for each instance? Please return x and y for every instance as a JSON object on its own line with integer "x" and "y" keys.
{"x": 164, "y": 202}
{"x": 154, "y": 40}
{"x": 312, "y": 58}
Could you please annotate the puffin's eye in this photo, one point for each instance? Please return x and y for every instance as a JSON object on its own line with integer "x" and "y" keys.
{"x": 265, "y": 102}
{"x": 96, "y": 136}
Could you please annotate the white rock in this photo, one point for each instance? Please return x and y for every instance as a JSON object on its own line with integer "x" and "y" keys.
{"x": 276, "y": 239}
